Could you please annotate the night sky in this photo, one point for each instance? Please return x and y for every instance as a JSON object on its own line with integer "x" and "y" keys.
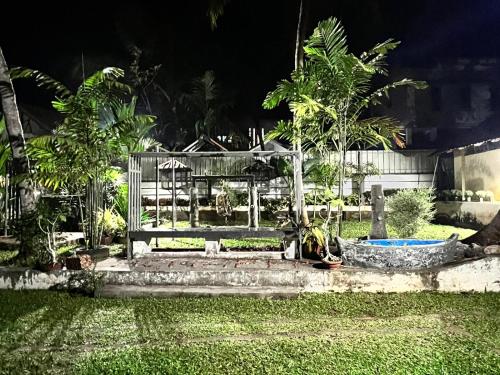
{"x": 252, "y": 47}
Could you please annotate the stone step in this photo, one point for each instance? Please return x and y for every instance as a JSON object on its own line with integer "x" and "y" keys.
{"x": 220, "y": 255}
{"x": 220, "y": 278}
{"x": 168, "y": 291}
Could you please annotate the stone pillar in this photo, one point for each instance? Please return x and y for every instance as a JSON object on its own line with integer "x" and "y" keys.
{"x": 290, "y": 249}
{"x": 194, "y": 214}
{"x": 378, "y": 223}
{"x": 212, "y": 247}
{"x": 254, "y": 207}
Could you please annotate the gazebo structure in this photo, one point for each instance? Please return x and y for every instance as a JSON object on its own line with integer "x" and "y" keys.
{"x": 207, "y": 167}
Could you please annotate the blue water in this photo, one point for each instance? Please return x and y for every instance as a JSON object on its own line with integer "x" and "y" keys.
{"x": 402, "y": 242}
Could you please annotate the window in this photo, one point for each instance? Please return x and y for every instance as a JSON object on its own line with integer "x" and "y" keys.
{"x": 436, "y": 98}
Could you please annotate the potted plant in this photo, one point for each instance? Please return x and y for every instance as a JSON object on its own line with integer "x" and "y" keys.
{"x": 456, "y": 194}
{"x": 111, "y": 225}
{"x": 468, "y": 195}
{"x": 314, "y": 239}
{"x": 490, "y": 196}
{"x": 481, "y": 195}
{"x": 317, "y": 243}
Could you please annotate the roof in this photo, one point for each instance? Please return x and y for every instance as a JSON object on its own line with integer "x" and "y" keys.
{"x": 475, "y": 148}
{"x": 204, "y": 143}
{"x": 271, "y": 145}
{"x": 177, "y": 165}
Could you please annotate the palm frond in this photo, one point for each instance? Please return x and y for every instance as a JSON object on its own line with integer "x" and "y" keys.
{"x": 375, "y": 96}
{"x": 42, "y": 80}
{"x": 375, "y": 131}
{"x": 215, "y": 11}
{"x": 327, "y": 41}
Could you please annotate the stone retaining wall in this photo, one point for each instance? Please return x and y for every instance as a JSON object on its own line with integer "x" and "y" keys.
{"x": 477, "y": 275}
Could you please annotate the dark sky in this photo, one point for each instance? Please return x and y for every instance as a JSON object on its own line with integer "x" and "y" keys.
{"x": 251, "y": 49}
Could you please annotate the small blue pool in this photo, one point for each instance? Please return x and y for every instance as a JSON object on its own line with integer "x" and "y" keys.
{"x": 402, "y": 242}
{"x": 406, "y": 253}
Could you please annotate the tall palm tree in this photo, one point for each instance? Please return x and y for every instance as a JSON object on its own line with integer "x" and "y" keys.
{"x": 207, "y": 105}
{"x": 329, "y": 94}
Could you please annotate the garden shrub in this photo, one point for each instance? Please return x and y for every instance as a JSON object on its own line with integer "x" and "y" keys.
{"x": 351, "y": 200}
{"x": 272, "y": 206}
{"x": 410, "y": 209}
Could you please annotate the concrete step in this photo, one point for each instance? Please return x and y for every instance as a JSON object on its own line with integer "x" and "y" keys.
{"x": 167, "y": 291}
{"x": 220, "y": 255}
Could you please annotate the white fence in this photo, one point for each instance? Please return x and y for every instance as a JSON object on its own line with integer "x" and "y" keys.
{"x": 395, "y": 162}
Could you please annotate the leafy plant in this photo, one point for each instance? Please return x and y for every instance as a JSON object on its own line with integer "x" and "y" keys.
{"x": 121, "y": 201}
{"x": 352, "y": 200}
{"x": 111, "y": 223}
{"x": 456, "y": 194}
{"x": 410, "y": 209}
{"x": 468, "y": 193}
{"x": 50, "y": 214}
{"x": 313, "y": 236}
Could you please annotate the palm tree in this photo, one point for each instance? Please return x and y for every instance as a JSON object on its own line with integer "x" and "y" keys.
{"x": 207, "y": 105}
{"x": 99, "y": 128}
{"x": 328, "y": 97}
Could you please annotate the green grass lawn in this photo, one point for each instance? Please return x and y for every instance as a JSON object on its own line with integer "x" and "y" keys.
{"x": 351, "y": 229}
{"x": 355, "y": 229}
{"x": 351, "y": 333}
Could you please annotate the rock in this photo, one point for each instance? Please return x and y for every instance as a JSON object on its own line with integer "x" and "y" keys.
{"x": 492, "y": 250}
{"x": 462, "y": 250}
{"x": 473, "y": 250}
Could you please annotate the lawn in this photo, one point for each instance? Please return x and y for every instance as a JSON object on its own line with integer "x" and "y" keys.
{"x": 351, "y": 229}
{"x": 355, "y": 229}
{"x": 419, "y": 333}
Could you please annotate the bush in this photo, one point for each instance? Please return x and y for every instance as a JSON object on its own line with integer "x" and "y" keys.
{"x": 351, "y": 200}
{"x": 272, "y": 206}
{"x": 457, "y": 194}
{"x": 410, "y": 210}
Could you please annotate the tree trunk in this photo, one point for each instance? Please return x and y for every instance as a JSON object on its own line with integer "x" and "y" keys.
{"x": 340, "y": 207}
{"x": 301, "y": 32}
{"x": 488, "y": 235}
{"x": 20, "y": 162}
{"x": 299, "y": 63}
